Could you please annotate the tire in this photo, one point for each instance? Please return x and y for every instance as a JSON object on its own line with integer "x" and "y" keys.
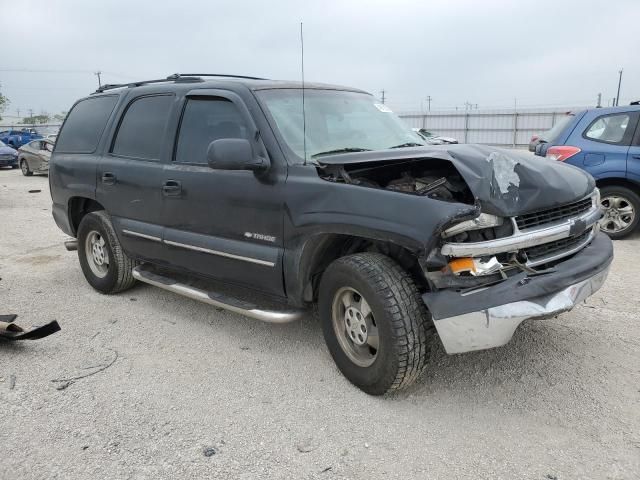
{"x": 403, "y": 324}
{"x": 24, "y": 166}
{"x": 622, "y": 209}
{"x": 114, "y": 275}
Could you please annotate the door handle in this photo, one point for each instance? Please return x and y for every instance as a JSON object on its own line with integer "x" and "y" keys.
{"x": 108, "y": 178}
{"x": 171, "y": 188}
{"x": 636, "y": 156}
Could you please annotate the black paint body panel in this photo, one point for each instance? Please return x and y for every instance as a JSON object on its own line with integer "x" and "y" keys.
{"x": 289, "y": 206}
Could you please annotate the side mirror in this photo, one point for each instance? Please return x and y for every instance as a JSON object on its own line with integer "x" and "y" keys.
{"x": 234, "y": 154}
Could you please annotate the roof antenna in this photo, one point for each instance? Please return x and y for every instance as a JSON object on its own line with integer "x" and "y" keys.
{"x": 304, "y": 115}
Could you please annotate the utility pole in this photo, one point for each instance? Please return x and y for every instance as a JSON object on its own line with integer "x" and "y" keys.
{"x": 599, "y": 105}
{"x": 97, "y": 74}
{"x": 619, "y": 82}
{"x": 428, "y": 103}
{"x": 18, "y": 110}
{"x": 31, "y": 116}
{"x": 382, "y": 93}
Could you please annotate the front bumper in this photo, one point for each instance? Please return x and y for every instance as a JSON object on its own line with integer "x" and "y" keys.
{"x": 9, "y": 162}
{"x": 488, "y": 317}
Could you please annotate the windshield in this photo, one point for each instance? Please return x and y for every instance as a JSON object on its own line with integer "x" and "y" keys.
{"x": 336, "y": 121}
{"x": 2, "y": 144}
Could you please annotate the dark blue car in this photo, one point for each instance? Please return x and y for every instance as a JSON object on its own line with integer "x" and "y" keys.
{"x": 606, "y": 143}
{"x": 8, "y": 156}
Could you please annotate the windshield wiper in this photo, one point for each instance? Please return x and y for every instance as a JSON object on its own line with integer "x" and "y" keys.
{"x": 408, "y": 144}
{"x": 341, "y": 150}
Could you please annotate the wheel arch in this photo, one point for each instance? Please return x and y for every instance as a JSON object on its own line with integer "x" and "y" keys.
{"x": 618, "y": 182}
{"x": 78, "y": 207}
{"x": 320, "y": 250}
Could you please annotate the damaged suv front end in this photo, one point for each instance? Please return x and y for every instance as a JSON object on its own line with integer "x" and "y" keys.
{"x": 499, "y": 236}
{"x": 531, "y": 249}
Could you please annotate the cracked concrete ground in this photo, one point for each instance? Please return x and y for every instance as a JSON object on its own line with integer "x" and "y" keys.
{"x": 200, "y": 393}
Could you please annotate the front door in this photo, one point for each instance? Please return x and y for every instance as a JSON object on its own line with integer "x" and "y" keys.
{"x": 223, "y": 224}
{"x": 130, "y": 175}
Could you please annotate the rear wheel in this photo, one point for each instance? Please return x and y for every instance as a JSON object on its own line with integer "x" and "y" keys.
{"x": 104, "y": 264}
{"x": 24, "y": 166}
{"x": 374, "y": 322}
{"x": 622, "y": 210}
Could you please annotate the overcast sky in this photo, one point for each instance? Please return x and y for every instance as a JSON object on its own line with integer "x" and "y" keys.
{"x": 490, "y": 52}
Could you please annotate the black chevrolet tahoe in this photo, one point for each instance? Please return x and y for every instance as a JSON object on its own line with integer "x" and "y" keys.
{"x": 266, "y": 198}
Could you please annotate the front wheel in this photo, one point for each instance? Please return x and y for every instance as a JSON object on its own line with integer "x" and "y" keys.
{"x": 621, "y": 211}
{"x": 24, "y": 166}
{"x": 374, "y": 322}
{"x": 104, "y": 264}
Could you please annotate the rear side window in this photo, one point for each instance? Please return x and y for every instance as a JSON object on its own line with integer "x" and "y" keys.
{"x": 204, "y": 121}
{"x": 609, "y": 129}
{"x": 142, "y": 128}
{"x": 84, "y": 125}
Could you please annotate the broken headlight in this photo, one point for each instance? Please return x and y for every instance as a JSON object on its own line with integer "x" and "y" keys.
{"x": 484, "y": 220}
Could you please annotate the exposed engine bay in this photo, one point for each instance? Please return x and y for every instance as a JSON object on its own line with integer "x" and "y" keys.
{"x": 433, "y": 178}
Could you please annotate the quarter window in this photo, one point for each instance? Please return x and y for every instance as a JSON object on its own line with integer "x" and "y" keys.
{"x": 609, "y": 129}
{"x": 84, "y": 125}
{"x": 204, "y": 121}
{"x": 142, "y": 128}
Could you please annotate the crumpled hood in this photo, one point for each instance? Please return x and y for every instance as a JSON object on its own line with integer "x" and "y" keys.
{"x": 7, "y": 151}
{"x": 504, "y": 182}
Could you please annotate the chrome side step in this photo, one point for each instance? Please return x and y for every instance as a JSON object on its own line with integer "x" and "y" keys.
{"x": 147, "y": 275}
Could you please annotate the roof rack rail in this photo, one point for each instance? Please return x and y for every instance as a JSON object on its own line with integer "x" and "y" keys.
{"x": 178, "y": 75}
{"x": 172, "y": 78}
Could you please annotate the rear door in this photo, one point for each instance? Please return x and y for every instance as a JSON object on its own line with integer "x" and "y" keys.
{"x": 223, "y": 224}
{"x": 605, "y": 142}
{"x": 633, "y": 157}
{"x": 130, "y": 173}
{"x": 32, "y": 152}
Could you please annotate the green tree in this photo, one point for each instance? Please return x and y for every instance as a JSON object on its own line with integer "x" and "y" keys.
{"x": 4, "y": 102}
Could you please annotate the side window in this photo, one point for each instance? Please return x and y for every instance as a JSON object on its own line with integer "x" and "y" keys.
{"x": 609, "y": 129}
{"x": 203, "y": 121}
{"x": 84, "y": 125}
{"x": 142, "y": 128}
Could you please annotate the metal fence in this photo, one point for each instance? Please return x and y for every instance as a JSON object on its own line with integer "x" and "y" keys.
{"x": 512, "y": 128}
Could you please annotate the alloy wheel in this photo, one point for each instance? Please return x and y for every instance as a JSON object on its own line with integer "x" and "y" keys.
{"x": 619, "y": 214}
{"x": 355, "y": 326}
{"x": 97, "y": 254}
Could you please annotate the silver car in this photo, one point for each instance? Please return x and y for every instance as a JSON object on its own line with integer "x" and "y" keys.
{"x": 34, "y": 156}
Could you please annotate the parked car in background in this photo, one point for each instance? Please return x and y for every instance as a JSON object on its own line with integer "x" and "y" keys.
{"x": 8, "y": 156}
{"x": 551, "y": 133}
{"x": 606, "y": 143}
{"x": 17, "y": 138}
{"x": 433, "y": 139}
{"x": 34, "y": 156}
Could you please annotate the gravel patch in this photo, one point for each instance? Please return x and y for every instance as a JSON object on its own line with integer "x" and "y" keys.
{"x": 148, "y": 384}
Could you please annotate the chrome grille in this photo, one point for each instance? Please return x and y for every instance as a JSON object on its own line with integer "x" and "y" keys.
{"x": 536, "y": 219}
{"x": 7, "y": 156}
{"x": 559, "y": 246}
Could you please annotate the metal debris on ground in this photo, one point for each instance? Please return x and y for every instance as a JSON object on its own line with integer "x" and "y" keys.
{"x": 10, "y": 330}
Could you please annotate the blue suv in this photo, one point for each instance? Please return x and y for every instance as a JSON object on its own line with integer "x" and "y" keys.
{"x": 606, "y": 143}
